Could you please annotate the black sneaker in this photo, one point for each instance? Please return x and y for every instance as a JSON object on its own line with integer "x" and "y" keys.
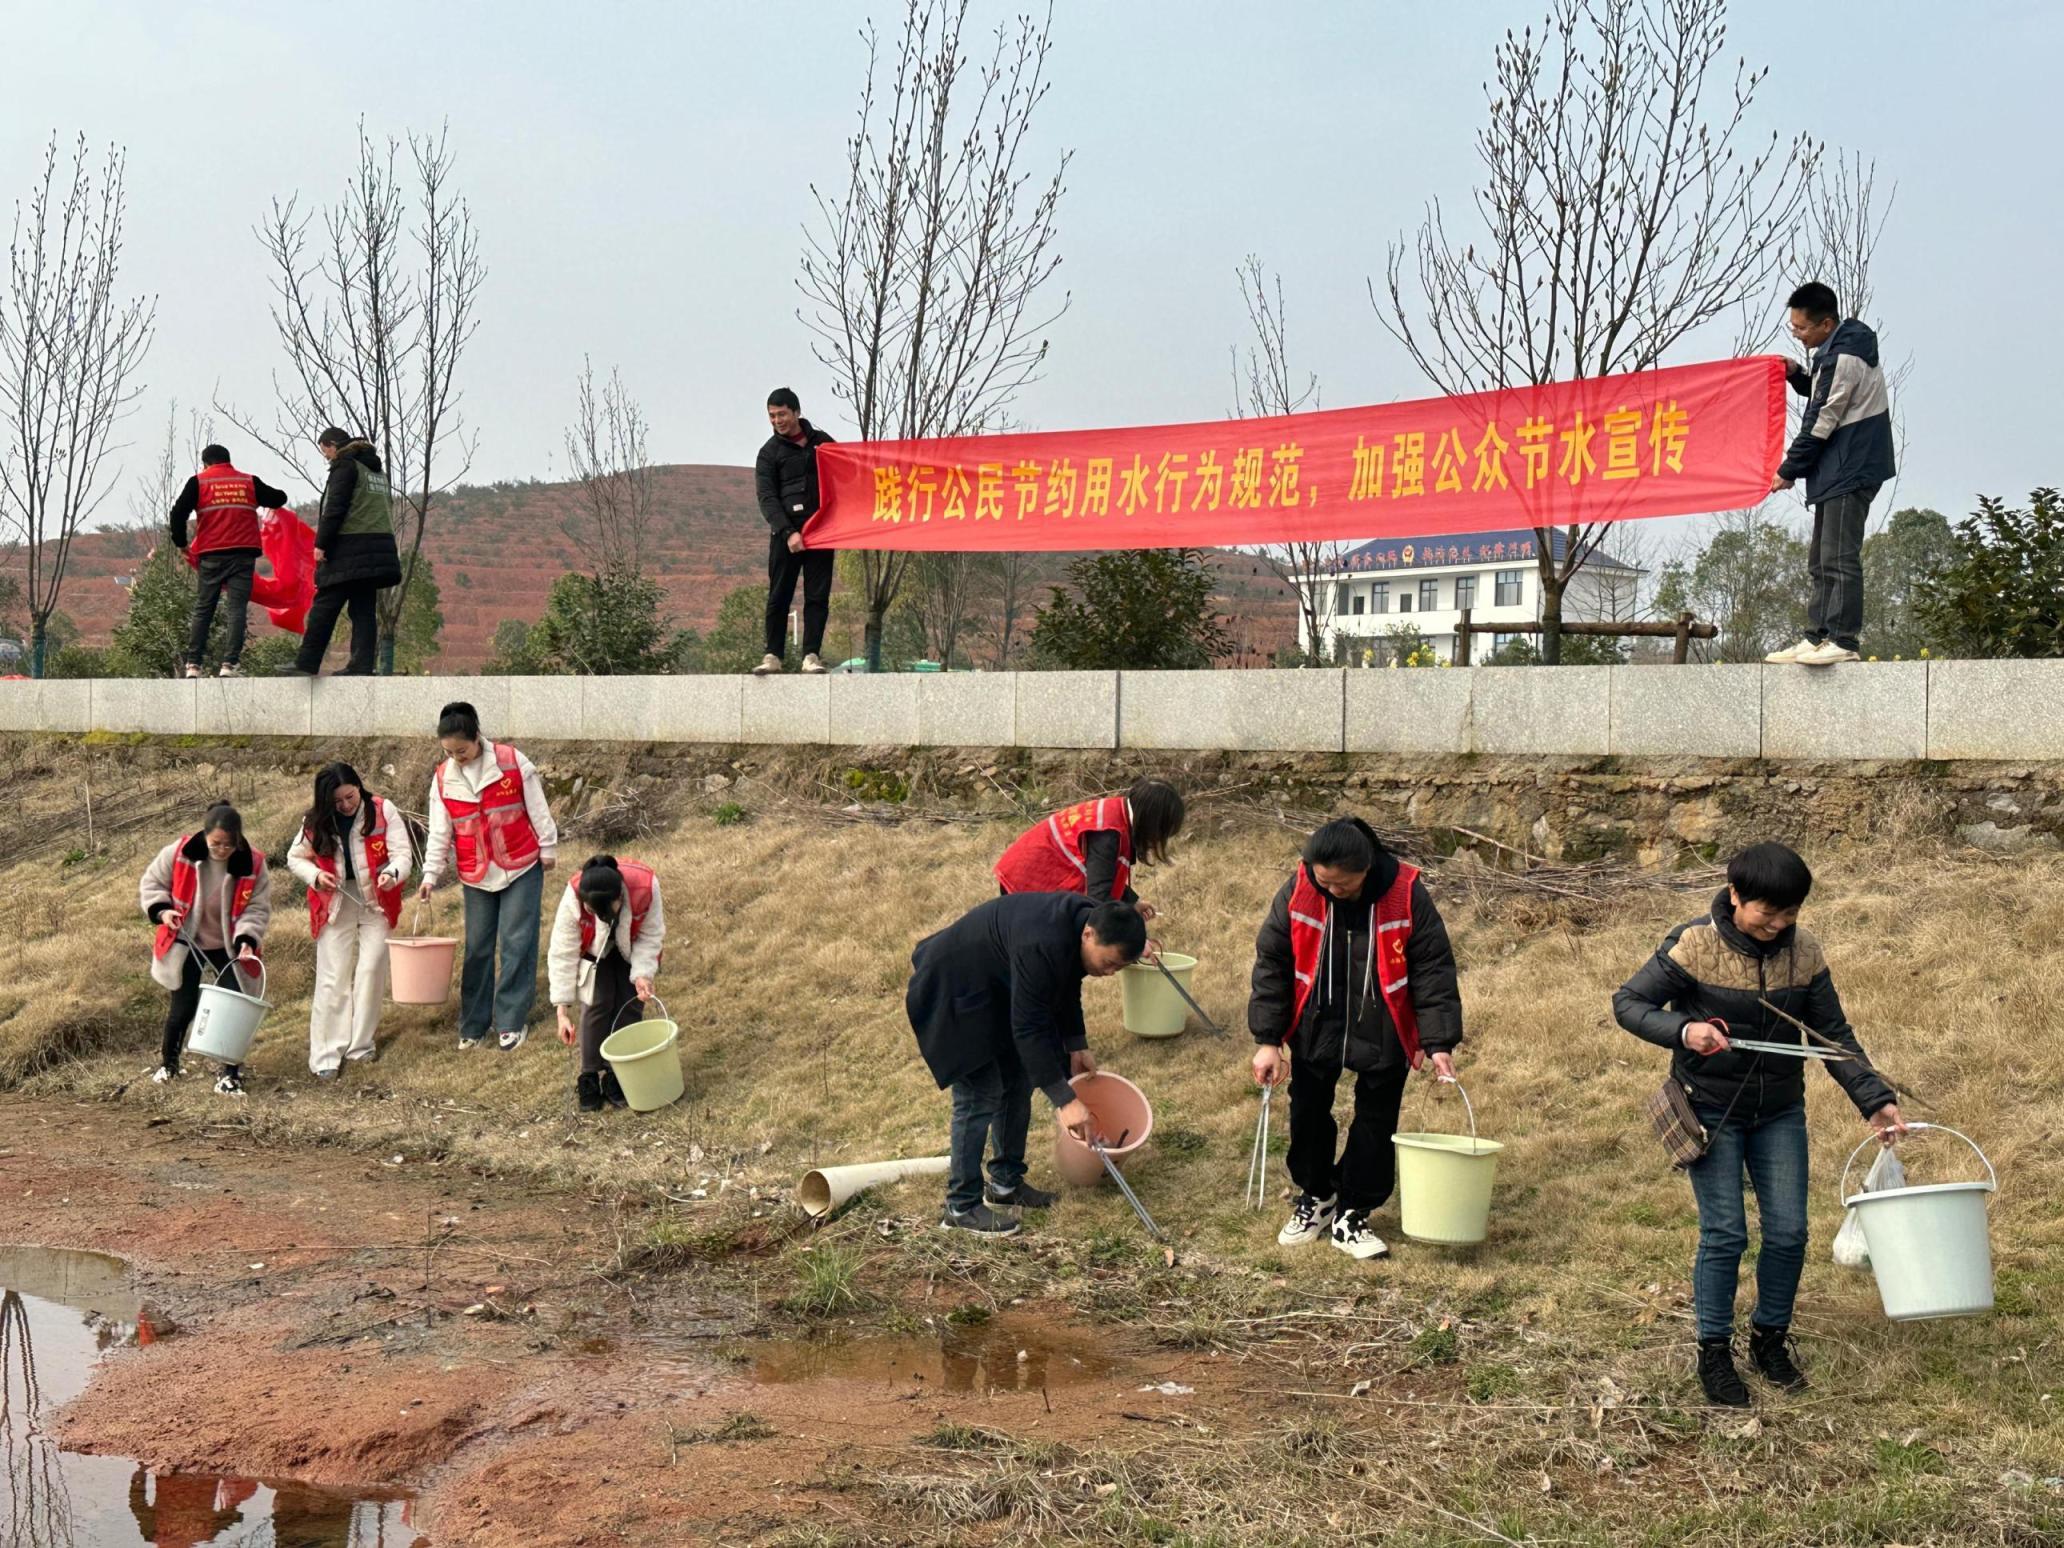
{"x": 1024, "y": 1196}
{"x": 612, "y": 1089}
{"x": 1716, "y": 1373}
{"x": 588, "y": 1088}
{"x": 1770, "y": 1350}
{"x": 982, "y": 1220}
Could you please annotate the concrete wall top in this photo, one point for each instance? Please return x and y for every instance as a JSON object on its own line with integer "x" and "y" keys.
{"x": 1995, "y": 710}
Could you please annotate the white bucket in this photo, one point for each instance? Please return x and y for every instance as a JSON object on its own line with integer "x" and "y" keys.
{"x": 227, "y": 1019}
{"x": 1929, "y": 1247}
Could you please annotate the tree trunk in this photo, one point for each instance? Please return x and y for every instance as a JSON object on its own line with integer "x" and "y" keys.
{"x": 874, "y": 639}
{"x": 38, "y": 641}
{"x": 1551, "y": 619}
{"x": 386, "y": 667}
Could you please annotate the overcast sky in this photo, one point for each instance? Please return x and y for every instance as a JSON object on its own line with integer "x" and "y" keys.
{"x": 640, "y": 173}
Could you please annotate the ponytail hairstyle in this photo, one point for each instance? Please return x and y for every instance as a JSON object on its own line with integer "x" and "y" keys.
{"x": 1344, "y": 844}
{"x": 1157, "y": 816}
{"x": 322, "y": 825}
{"x": 600, "y": 885}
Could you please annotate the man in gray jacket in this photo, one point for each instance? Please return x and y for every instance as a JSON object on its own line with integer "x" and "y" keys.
{"x": 1844, "y": 452}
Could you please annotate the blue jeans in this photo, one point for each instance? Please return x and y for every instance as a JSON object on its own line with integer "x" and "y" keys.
{"x": 993, "y": 1106}
{"x": 508, "y": 920}
{"x": 1773, "y": 1155}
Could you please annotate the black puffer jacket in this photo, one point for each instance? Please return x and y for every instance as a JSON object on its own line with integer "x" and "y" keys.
{"x": 1709, "y": 968}
{"x": 785, "y": 479}
{"x": 1345, "y": 1022}
{"x": 353, "y": 558}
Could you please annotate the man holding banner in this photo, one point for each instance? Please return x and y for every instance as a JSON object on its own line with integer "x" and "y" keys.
{"x": 785, "y": 478}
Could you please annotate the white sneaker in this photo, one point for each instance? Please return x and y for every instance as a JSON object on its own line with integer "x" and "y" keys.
{"x": 164, "y": 1075}
{"x": 1790, "y": 655}
{"x": 193, "y": 669}
{"x": 230, "y": 1085}
{"x": 230, "y": 669}
{"x": 1309, "y": 1219}
{"x": 1826, "y": 654}
{"x": 814, "y": 666}
{"x": 770, "y": 666}
{"x": 1351, "y": 1234}
{"x": 509, "y": 1042}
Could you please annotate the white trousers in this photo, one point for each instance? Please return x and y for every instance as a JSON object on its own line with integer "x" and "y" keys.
{"x": 350, "y": 983}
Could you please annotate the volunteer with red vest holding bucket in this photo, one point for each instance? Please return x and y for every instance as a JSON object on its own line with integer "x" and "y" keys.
{"x": 1352, "y": 971}
{"x": 210, "y": 895}
{"x": 224, "y": 550}
{"x": 606, "y": 941}
{"x": 490, "y": 822}
{"x": 353, "y": 854}
{"x": 1092, "y": 846}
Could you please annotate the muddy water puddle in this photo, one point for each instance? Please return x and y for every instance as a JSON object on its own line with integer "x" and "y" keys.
{"x": 1004, "y": 1354}
{"x": 60, "y": 1311}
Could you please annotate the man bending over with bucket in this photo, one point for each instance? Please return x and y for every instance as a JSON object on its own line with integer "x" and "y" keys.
{"x": 1726, "y": 1111}
{"x": 606, "y": 942}
{"x": 1352, "y": 971}
{"x": 996, "y": 1003}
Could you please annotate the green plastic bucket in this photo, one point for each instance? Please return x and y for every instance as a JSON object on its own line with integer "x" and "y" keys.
{"x": 1930, "y": 1249}
{"x": 1444, "y": 1184}
{"x": 646, "y": 1057}
{"x": 1152, "y": 1007}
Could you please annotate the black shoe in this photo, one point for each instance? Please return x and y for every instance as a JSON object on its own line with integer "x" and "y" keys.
{"x": 292, "y": 671}
{"x": 589, "y": 1089}
{"x": 982, "y": 1220}
{"x": 1771, "y": 1351}
{"x": 1024, "y": 1196}
{"x": 1716, "y": 1373}
{"x": 612, "y": 1089}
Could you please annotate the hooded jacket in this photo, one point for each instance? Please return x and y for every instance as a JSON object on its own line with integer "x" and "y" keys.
{"x": 1710, "y": 968}
{"x": 1844, "y": 444}
{"x": 355, "y": 529}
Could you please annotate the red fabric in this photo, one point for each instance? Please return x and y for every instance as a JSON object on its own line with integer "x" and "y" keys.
{"x": 320, "y": 904}
{"x": 226, "y": 515}
{"x": 1049, "y": 858}
{"x": 496, "y": 827}
{"x": 287, "y": 593}
{"x": 1669, "y": 442}
{"x": 1393, "y": 931}
{"x": 637, "y": 886}
{"x": 186, "y": 883}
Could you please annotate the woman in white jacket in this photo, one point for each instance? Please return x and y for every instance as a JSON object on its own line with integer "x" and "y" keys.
{"x": 210, "y": 896}
{"x": 353, "y": 855}
{"x": 605, "y": 950}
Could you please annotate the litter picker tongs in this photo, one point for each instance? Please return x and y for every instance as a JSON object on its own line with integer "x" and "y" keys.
{"x": 1792, "y": 1050}
{"x": 1125, "y": 1188}
{"x": 1176, "y": 984}
{"x": 1257, "y": 1164}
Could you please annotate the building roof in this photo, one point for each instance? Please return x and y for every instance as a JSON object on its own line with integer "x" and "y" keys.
{"x": 1464, "y": 549}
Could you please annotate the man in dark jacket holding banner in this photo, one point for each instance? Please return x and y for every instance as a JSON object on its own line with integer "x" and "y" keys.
{"x": 1844, "y": 452}
{"x": 785, "y": 480}
{"x": 223, "y": 550}
{"x": 1352, "y": 971}
{"x": 996, "y": 1002}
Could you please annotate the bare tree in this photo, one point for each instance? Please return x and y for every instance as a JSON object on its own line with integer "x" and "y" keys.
{"x": 920, "y": 277}
{"x": 375, "y": 318}
{"x": 605, "y": 447}
{"x": 1264, "y": 385}
{"x": 1011, "y": 579}
{"x": 944, "y": 588}
{"x": 1625, "y": 204}
{"x": 69, "y": 347}
{"x": 151, "y": 500}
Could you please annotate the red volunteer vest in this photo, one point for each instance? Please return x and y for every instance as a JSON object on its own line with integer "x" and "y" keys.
{"x": 637, "y": 881}
{"x": 186, "y": 885}
{"x": 1393, "y": 929}
{"x": 1049, "y": 858}
{"x": 496, "y": 827}
{"x": 227, "y": 516}
{"x": 322, "y": 904}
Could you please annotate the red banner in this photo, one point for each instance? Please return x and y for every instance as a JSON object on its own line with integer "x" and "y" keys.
{"x": 1675, "y": 441}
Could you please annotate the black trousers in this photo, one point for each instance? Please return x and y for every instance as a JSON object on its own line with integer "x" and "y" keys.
{"x": 605, "y": 1013}
{"x": 186, "y": 999}
{"x": 814, "y": 565}
{"x": 224, "y": 576}
{"x": 1366, "y": 1171}
{"x": 362, "y": 598}
{"x": 1834, "y": 565}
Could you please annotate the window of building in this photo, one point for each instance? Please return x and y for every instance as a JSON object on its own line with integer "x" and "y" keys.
{"x": 1379, "y": 597}
{"x": 1340, "y": 595}
{"x": 1357, "y": 603}
{"x": 1429, "y": 595}
{"x": 1500, "y": 641}
{"x": 1508, "y": 587}
{"x": 1465, "y": 591}
{"x": 1404, "y": 602}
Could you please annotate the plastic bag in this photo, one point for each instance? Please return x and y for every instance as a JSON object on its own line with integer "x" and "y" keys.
{"x": 289, "y": 548}
{"x": 1886, "y": 1172}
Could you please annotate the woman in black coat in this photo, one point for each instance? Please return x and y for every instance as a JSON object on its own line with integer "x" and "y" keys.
{"x": 355, "y": 555}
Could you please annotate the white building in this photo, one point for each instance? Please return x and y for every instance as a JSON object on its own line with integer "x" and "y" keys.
{"x": 1425, "y": 583}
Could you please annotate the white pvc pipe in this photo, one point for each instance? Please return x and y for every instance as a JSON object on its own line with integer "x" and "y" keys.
{"x": 826, "y": 1188}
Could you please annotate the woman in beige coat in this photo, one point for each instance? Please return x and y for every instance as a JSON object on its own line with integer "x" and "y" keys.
{"x": 210, "y": 895}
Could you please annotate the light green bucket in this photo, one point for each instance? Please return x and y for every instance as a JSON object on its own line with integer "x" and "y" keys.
{"x": 1152, "y": 1008}
{"x": 646, "y": 1057}
{"x": 1444, "y": 1184}
{"x": 1930, "y": 1250}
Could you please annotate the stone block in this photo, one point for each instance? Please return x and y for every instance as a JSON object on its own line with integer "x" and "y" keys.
{"x": 154, "y": 705}
{"x": 1287, "y": 711}
{"x": 63, "y": 704}
{"x": 663, "y": 709}
{"x": 340, "y": 710}
{"x": 874, "y": 709}
{"x": 1687, "y": 711}
{"x": 409, "y": 706}
{"x": 967, "y": 709}
{"x": 1408, "y": 710}
{"x": 1541, "y": 711}
{"x": 2008, "y": 710}
{"x": 1873, "y": 709}
{"x": 252, "y": 706}
{"x": 1067, "y": 709}
{"x": 788, "y": 710}
{"x": 543, "y": 709}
